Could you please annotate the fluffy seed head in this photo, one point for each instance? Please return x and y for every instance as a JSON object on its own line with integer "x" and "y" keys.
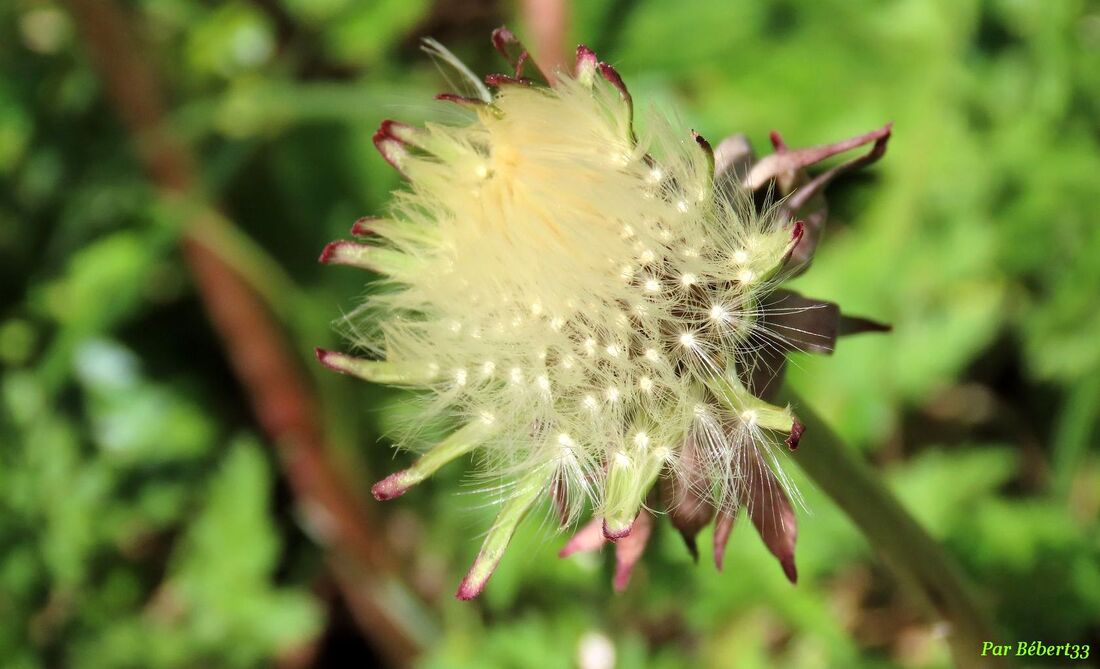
{"x": 577, "y": 290}
{"x": 545, "y": 226}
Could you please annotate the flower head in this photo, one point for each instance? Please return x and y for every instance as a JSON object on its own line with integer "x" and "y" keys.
{"x": 594, "y": 306}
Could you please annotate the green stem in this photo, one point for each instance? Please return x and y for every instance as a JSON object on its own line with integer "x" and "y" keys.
{"x": 1077, "y": 420}
{"x": 914, "y": 555}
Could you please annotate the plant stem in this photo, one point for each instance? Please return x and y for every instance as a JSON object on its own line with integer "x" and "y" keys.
{"x": 1071, "y": 437}
{"x": 916, "y": 558}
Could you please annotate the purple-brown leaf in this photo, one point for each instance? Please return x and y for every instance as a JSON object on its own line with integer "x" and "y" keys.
{"x": 684, "y": 493}
{"x": 629, "y": 549}
{"x": 723, "y": 526}
{"x": 770, "y": 510}
{"x": 588, "y": 538}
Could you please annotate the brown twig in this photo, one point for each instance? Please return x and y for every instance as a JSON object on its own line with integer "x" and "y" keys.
{"x": 255, "y": 345}
{"x": 547, "y": 21}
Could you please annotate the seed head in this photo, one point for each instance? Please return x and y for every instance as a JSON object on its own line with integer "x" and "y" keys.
{"x": 589, "y": 301}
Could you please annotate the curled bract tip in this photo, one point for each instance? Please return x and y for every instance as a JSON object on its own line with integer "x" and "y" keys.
{"x": 795, "y": 436}
{"x": 789, "y": 570}
{"x": 798, "y": 228}
{"x": 363, "y": 227}
{"x": 470, "y": 588}
{"x": 389, "y": 144}
{"x": 391, "y": 487}
{"x": 473, "y": 103}
{"x": 617, "y": 531}
{"x": 501, "y": 80}
{"x": 702, "y": 142}
{"x": 508, "y": 45}
{"x": 328, "y": 253}
{"x": 612, "y": 76}
{"x": 346, "y": 253}
{"x": 723, "y": 526}
{"x": 337, "y": 362}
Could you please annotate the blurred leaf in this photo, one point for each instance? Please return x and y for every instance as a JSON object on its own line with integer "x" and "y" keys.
{"x": 233, "y": 38}
{"x": 221, "y": 575}
{"x": 365, "y": 31}
{"x": 942, "y": 487}
{"x": 16, "y": 127}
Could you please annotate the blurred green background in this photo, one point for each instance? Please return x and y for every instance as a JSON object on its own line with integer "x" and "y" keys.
{"x": 148, "y": 519}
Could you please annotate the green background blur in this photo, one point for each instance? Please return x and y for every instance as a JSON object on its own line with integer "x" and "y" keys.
{"x": 145, "y": 519}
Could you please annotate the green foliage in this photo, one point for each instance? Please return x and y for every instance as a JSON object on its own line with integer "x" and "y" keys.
{"x": 86, "y": 504}
{"x": 216, "y": 604}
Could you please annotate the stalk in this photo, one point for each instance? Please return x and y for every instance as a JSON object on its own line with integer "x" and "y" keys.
{"x": 914, "y": 556}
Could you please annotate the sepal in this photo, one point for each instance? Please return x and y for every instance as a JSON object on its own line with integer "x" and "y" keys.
{"x": 630, "y": 475}
{"x": 685, "y": 496}
{"x": 587, "y": 539}
{"x": 771, "y": 512}
{"x": 723, "y": 527}
{"x": 512, "y": 512}
{"x": 375, "y": 371}
{"x": 509, "y": 46}
{"x": 376, "y": 259}
{"x": 629, "y": 550}
{"x": 391, "y": 146}
{"x": 459, "y": 443}
{"x": 586, "y": 65}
